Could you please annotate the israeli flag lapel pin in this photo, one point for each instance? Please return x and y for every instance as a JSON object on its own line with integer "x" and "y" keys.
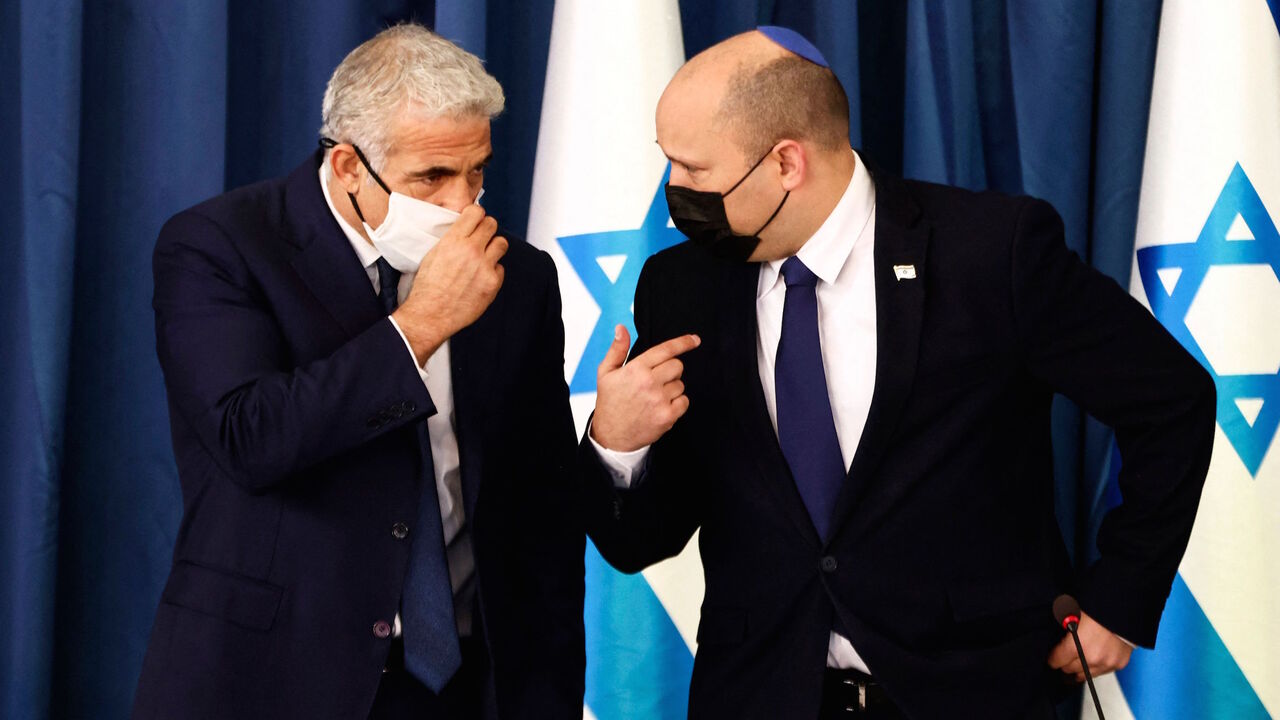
{"x": 904, "y": 272}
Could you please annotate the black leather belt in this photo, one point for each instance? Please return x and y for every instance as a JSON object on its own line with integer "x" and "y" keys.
{"x": 849, "y": 693}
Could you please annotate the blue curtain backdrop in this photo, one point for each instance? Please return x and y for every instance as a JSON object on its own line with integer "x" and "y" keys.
{"x": 116, "y": 114}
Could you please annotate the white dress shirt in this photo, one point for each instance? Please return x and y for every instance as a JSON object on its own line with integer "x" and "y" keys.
{"x": 441, "y": 427}
{"x": 840, "y": 253}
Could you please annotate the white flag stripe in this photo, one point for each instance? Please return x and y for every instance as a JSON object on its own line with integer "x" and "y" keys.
{"x": 1215, "y": 103}
{"x": 1111, "y": 697}
{"x": 1207, "y": 115}
{"x": 582, "y": 405}
{"x": 679, "y": 585}
{"x": 1231, "y": 567}
{"x": 597, "y": 172}
{"x": 597, "y": 165}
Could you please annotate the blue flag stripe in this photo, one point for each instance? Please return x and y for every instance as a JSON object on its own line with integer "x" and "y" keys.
{"x": 638, "y": 665}
{"x": 615, "y": 296}
{"x": 1192, "y": 675}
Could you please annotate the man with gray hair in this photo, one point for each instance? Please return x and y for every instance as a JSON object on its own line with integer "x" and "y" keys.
{"x": 371, "y": 426}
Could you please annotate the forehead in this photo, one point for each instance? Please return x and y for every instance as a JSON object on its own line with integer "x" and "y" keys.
{"x": 686, "y": 122}
{"x": 414, "y": 138}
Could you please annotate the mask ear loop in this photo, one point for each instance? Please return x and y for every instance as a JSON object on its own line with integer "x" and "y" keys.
{"x": 774, "y": 215}
{"x": 744, "y": 177}
{"x": 328, "y": 143}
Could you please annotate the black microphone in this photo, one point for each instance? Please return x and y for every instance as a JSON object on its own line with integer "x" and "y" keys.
{"x": 1067, "y": 612}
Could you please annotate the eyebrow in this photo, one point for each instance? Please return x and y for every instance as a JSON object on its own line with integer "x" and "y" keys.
{"x": 442, "y": 171}
{"x": 680, "y": 161}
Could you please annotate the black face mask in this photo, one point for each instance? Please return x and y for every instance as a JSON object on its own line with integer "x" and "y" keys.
{"x": 701, "y": 217}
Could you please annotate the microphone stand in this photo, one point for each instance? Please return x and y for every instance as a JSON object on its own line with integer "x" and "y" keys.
{"x": 1072, "y": 624}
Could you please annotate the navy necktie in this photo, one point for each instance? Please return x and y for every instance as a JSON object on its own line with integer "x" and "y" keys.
{"x": 806, "y": 428}
{"x": 388, "y": 285}
{"x": 431, "y": 649}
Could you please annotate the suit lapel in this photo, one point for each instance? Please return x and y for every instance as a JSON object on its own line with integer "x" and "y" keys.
{"x": 325, "y": 260}
{"x": 737, "y": 355}
{"x": 901, "y": 239}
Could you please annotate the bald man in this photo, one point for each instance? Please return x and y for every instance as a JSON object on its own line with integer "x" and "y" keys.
{"x": 844, "y": 379}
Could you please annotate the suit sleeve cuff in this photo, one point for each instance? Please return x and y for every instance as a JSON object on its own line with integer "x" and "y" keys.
{"x": 422, "y": 369}
{"x": 623, "y": 467}
{"x": 1115, "y": 595}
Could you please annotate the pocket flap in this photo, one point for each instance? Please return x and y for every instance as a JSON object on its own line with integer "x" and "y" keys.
{"x": 240, "y": 600}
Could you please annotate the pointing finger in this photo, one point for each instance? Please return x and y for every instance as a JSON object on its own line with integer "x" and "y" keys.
{"x": 674, "y": 347}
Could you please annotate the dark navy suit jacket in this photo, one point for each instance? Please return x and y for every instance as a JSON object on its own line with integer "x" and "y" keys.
{"x": 293, "y": 402}
{"x": 944, "y": 556}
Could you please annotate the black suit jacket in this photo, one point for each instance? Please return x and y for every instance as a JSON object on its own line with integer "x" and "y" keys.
{"x": 293, "y": 403}
{"x": 945, "y": 556}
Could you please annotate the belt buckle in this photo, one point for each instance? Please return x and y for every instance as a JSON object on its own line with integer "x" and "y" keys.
{"x": 862, "y": 694}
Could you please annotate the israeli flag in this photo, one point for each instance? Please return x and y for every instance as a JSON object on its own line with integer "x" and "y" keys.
{"x": 1207, "y": 264}
{"x": 599, "y": 209}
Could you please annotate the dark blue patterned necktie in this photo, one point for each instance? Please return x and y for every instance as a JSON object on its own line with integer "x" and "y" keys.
{"x": 806, "y": 428}
{"x": 431, "y": 650}
{"x": 388, "y": 285}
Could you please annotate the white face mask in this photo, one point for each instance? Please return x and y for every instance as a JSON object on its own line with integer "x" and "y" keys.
{"x": 412, "y": 227}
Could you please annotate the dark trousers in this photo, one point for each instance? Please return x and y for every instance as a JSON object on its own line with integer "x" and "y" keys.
{"x": 401, "y": 696}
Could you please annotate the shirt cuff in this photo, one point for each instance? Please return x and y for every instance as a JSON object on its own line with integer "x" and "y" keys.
{"x": 622, "y": 466}
{"x": 422, "y": 370}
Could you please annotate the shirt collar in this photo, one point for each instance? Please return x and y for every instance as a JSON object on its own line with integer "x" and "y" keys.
{"x": 828, "y": 249}
{"x": 365, "y": 250}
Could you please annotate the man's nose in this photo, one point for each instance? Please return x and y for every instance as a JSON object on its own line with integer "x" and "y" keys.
{"x": 458, "y": 195}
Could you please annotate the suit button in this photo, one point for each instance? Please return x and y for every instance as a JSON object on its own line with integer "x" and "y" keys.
{"x": 382, "y": 629}
{"x": 399, "y": 531}
{"x": 409, "y": 407}
{"x": 829, "y": 564}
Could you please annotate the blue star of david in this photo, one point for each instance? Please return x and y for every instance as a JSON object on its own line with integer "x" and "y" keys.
{"x": 1238, "y": 196}
{"x": 614, "y": 296}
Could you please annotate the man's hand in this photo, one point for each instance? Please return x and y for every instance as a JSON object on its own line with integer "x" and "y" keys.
{"x": 1104, "y": 650}
{"x": 457, "y": 280}
{"x": 638, "y": 402}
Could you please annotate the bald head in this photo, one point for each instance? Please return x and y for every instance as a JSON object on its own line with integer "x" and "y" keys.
{"x": 758, "y": 93}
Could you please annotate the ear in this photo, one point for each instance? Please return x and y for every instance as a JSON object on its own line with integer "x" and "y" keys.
{"x": 792, "y": 163}
{"x": 346, "y": 167}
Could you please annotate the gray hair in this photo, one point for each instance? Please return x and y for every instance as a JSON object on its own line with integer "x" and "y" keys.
{"x": 405, "y": 67}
